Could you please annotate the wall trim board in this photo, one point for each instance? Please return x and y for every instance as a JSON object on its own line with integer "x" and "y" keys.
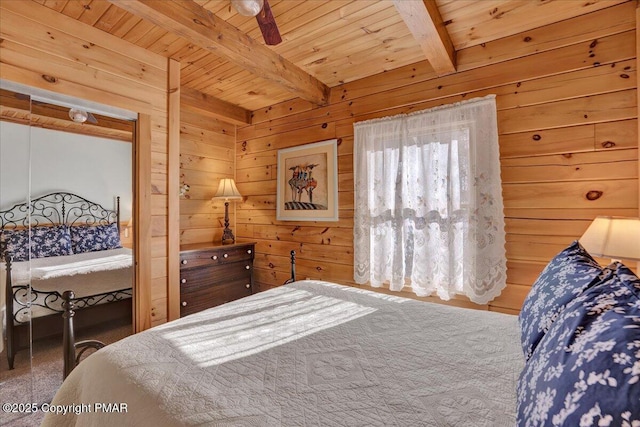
{"x": 638, "y": 100}
{"x": 173, "y": 189}
{"x": 142, "y": 229}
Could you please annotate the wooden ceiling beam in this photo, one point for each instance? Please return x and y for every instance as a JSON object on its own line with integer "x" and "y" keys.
{"x": 202, "y": 28}
{"x": 199, "y": 102}
{"x": 425, "y": 23}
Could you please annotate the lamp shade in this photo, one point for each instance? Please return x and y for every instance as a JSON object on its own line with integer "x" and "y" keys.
{"x": 227, "y": 190}
{"x": 613, "y": 237}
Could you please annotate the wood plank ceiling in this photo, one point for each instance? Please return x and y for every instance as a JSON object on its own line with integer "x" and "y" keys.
{"x": 330, "y": 41}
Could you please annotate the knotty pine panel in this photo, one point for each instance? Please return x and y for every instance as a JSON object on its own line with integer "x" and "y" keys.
{"x": 207, "y": 154}
{"x": 556, "y": 160}
{"x": 616, "y": 135}
{"x": 567, "y": 213}
{"x": 266, "y": 216}
{"x": 604, "y": 194}
{"x": 203, "y": 178}
{"x": 313, "y": 234}
{"x": 214, "y": 136}
{"x": 584, "y": 28}
{"x": 573, "y": 159}
{"x": 524, "y": 272}
{"x": 552, "y": 227}
{"x": 288, "y": 139}
{"x": 259, "y": 173}
{"x": 203, "y": 220}
{"x": 591, "y": 109}
{"x": 205, "y": 149}
{"x": 567, "y": 141}
{"x": 595, "y": 80}
{"x": 618, "y": 164}
{"x": 206, "y": 164}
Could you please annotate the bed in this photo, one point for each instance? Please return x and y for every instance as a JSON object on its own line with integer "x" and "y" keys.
{"x": 73, "y": 244}
{"x": 315, "y": 353}
{"x": 308, "y": 353}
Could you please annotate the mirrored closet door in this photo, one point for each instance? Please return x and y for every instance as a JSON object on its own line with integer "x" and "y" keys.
{"x": 67, "y": 168}
{"x": 15, "y": 289}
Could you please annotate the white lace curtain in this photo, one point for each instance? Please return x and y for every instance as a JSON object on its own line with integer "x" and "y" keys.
{"x": 428, "y": 202}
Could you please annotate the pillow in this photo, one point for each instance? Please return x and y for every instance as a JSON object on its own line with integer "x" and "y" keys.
{"x": 45, "y": 242}
{"x": 568, "y": 274}
{"x": 95, "y": 238}
{"x": 586, "y": 369}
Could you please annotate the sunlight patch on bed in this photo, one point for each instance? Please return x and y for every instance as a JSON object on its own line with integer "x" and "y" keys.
{"x": 291, "y": 315}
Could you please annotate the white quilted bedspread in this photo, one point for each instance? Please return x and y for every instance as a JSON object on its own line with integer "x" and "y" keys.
{"x": 308, "y": 354}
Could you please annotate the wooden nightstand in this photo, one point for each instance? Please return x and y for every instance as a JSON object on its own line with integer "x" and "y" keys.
{"x": 211, "y": 275}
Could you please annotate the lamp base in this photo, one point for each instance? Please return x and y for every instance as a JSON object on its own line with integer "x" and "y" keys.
{"x": 228, "y": 237}
{"x": 227, "y": 234}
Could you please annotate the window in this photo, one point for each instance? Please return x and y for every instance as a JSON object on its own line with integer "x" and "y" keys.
{"x": 428, "y": 202}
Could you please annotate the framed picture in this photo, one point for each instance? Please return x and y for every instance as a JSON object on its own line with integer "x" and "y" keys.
{"x": 308, "y": 182}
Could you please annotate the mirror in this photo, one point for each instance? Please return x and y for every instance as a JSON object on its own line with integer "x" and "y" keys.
{"x": 79, "y": 166}
{"x": 15, "y": 148}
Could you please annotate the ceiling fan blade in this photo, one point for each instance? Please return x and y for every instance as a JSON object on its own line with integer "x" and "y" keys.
{"x": 91, "y": 118}
{"x": 268, "y": 25}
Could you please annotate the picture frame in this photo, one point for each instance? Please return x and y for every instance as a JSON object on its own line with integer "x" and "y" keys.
{"x": 307, "y": 184}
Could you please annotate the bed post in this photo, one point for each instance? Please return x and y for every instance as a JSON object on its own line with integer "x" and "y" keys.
{"x": 68, "y": 338}
{"x": 293, "y": 268}
{"x": 8, "y": 304}
{"x": 118, "y": 213}
{"x": 69, "y": 344}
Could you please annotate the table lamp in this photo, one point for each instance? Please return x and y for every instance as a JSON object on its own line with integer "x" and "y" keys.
{"x": 227, "y": 191}
{"x": 613, "y": 237}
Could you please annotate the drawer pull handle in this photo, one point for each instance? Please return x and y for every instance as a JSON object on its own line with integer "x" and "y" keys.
{"x": 184, "y": 261}
{"x": 248, "y": 285}
{"x": 184, "y": 303}
{"x": 249, "y": 251}
{"x": 248, "y": 267}
{"x": 183, "y": 280}
{"x": 226, "y": 255}
{"x": 215, "y": 257}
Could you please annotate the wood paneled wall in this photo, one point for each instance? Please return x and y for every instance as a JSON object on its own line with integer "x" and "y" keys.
{"x": 45, "y": 49}
{"x": 207, "y": 154}
{"x": 567, "y": 113}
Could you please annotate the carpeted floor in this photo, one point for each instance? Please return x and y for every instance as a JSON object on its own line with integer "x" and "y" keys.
{"x": 38, "y": 381}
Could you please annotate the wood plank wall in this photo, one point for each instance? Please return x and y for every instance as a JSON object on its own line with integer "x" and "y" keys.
{"x": 207, "y": 154}
{"x": 48, "y": 50}
{"x": 566, "y": 96}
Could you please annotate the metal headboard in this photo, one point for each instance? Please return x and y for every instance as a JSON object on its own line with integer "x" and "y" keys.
{"x": 59, "y": 208}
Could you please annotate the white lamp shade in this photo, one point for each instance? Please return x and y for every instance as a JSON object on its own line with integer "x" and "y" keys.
{"x": 613, "y": 237}
{"x": 248, "y": 7}
{"x": 227, "y": 190}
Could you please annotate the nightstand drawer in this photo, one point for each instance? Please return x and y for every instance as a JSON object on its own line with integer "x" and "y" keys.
{"x": 195, "y": 277}
{"x": 196, "y": 298}
{"x": 215, "y": 256}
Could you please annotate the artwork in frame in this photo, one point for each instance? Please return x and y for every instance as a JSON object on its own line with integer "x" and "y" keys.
{"x": 308, "y": 182}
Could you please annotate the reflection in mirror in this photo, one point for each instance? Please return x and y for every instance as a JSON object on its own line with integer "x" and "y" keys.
{"x": 81, "y": 200}
{"x": 15, "y": 146}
